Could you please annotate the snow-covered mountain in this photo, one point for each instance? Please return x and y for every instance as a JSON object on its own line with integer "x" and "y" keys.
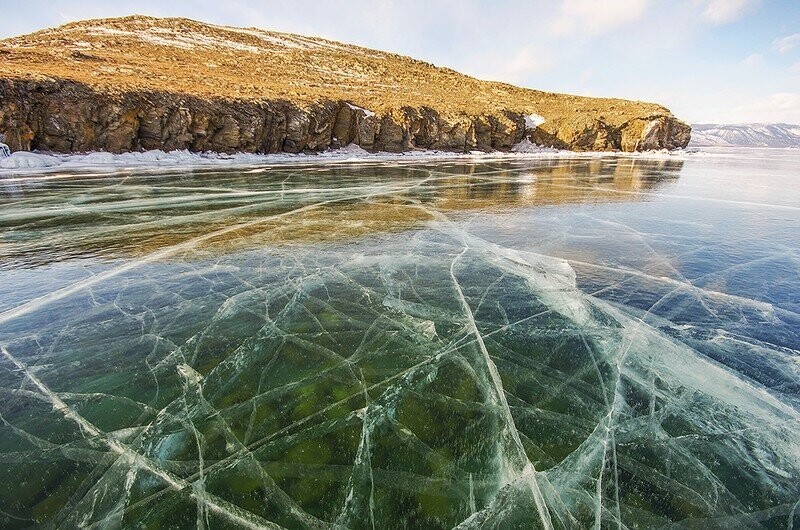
{"x": 746, "y": 135}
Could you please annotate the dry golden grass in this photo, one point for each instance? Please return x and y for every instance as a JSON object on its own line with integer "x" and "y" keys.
{"x": 187, "y": 57}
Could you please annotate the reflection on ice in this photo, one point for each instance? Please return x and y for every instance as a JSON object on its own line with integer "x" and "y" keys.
{"x": 505, "y": 345}
{"x": 106, "y": 216}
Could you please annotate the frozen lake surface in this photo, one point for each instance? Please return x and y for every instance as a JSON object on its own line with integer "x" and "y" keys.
{"x": 554, "y": 342}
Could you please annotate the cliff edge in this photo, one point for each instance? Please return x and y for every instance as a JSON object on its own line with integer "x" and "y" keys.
{"x": 138, "y": 83}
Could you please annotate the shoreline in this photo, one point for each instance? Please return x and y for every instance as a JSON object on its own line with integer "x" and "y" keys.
{"x": 27, "y": 163}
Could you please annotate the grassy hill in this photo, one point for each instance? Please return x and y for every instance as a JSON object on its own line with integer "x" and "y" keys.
{"x": 141, "y": 82}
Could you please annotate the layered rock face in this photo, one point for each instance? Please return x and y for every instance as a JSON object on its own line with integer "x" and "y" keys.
{"x": 91, "y": 86}
{"x": 64, "y": 116}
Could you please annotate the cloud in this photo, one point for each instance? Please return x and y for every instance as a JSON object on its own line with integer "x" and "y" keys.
{"x": 786, "y": 44}
{"x": 778, "y": 107}
{"x": 527, "y": 61}
{"x": 595, "y": 17}
{"x": 738, "y": 107}
{"x": 720, "y": 12}
{"x": 795, "y": 68}
{"x": 753, "y": 60}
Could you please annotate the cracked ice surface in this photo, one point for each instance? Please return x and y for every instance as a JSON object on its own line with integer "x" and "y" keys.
{"x": 559, "y": 343}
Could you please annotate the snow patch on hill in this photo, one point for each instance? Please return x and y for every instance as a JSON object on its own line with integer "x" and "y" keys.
{"x": 533, "y": 120}
{"x": 368, "y": 113}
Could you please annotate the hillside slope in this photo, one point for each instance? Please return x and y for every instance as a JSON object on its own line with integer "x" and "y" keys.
{"x": 141, "y": 83}
{"x": 746, "y": 135}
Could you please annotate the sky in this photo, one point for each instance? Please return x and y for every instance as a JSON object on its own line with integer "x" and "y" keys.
{"x": 709, "y": 61}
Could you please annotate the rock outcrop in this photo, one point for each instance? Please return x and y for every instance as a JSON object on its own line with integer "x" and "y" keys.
{"x": 94, "y": 86}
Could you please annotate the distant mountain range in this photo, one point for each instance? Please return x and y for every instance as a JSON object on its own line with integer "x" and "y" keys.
{"x": 745, "y": 135}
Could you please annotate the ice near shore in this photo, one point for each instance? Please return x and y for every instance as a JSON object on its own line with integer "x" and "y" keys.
{"x": 23, "y": 161}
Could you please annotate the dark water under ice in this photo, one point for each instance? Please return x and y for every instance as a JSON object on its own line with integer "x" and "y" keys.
{"x": 565, "y": 343}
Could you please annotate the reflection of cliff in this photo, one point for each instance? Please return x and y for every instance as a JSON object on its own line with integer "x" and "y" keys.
{"x": 559, "y": 182}
{"x": 145, "y": 215}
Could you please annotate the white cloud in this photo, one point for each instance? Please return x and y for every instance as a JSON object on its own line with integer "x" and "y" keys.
{"x": 527, "y": 61}
{"x": 795, "y": 68}
{"x": 735, "y": 106}
{"x": 778, "y": 107}
{"x": 786, "y": 44}
{"x": 720, "y": 12}
{"x": 594, "y": 17}
{"x": 753, "y": 60}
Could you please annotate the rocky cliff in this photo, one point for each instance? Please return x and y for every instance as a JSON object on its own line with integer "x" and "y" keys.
{"x": 144, "y": 83}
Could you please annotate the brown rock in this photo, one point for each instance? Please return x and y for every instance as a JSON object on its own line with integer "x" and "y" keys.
{"x": 252, "y": 93}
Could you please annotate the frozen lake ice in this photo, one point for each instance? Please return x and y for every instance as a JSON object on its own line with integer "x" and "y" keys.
{"x": 554, "y": 342}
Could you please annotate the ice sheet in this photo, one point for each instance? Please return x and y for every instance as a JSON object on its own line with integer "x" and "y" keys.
{"x": 521, "y": 342}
